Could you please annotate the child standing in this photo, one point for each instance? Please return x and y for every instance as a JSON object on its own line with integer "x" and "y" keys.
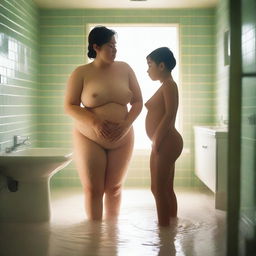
{"x": 167, "y": 143}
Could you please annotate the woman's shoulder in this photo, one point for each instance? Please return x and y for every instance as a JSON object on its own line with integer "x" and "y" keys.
{"x": 81, "y": 68}
{"x": 124, "y": 67}
{"x": 122, "y": 64}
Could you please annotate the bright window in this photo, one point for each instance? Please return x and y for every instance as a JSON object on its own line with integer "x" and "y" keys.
{"x": 134, "y": 43}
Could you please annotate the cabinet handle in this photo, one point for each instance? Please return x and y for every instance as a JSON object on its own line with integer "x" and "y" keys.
{"x": 204, "y": 147}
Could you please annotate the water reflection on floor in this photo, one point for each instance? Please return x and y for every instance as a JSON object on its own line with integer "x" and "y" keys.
{"x": 199, "y": 230}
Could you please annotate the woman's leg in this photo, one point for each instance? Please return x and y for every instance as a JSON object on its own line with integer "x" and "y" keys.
{"x": 117, "y": 162}
{"x": 90, "y": 159}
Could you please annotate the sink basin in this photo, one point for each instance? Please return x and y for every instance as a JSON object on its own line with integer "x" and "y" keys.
{"x": 39, "y": 152}
{"x": 214, "y": 130}
{"x": 217, "y": 128}
{"x": 33, "y": 163}
{"x": 25, "y": 176}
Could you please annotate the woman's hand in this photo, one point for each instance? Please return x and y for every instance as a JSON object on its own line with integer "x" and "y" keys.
{"x": 101, "y": 128}
{"x": 117, "y": 130}
{"x": 111, "y": 131}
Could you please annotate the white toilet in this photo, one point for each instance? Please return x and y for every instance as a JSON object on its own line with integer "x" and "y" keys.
{"x": 24, "y": 186}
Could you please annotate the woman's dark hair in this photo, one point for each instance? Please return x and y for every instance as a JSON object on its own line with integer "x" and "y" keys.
{"x": 99, "y": 35}
{"x": 165, "y": 55}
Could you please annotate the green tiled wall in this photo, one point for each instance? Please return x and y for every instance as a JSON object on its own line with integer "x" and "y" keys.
{"x": 32, "y": 86}
{"x": 18, "y": 70}
{"x": 248, "y": 150}
{"x": 63, "y": 35}
{"x": 248, "y": 125}
{"x": 222, "y": 70}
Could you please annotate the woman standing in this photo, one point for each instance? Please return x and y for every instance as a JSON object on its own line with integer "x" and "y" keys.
{"x": 167, "y": 143}
{"x": 97, "y": 99}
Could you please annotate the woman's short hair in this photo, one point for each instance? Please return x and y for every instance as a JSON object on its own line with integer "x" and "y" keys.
{"x": 98, "y": 35}
{"x": 165, "y": 55}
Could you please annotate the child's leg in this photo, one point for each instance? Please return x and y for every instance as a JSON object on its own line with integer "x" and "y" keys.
{"x": 161, "y": 184}
{"x": 173, "y": 199}
{"x": 162, "y": 165}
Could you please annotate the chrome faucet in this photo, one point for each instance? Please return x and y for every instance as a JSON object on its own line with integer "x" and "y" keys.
{"x": 17, "y": 142}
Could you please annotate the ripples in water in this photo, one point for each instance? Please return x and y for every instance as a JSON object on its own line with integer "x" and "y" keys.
{"x": 135, "y": 233}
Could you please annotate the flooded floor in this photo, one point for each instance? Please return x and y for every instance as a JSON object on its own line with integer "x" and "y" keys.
{"x": 199, "y": 230}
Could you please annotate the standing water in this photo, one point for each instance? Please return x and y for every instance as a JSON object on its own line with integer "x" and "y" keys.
{"x": 199, "y": 229}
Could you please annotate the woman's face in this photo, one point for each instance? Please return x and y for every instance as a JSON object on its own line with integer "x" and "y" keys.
{"x": 153, "y": 69}
{"x": 108, "y": 50}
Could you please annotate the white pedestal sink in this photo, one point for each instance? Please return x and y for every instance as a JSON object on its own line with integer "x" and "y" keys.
{"x": 26, "y": 194}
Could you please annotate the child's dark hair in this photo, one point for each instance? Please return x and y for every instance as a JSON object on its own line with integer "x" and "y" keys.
{"x": 165, "y": 55}
{"x": 99, "y": 35}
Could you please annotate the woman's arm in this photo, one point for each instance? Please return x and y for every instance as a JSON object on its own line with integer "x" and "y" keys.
{"x": 73, "y": 98}
{"x": 81, "y": 115}
{"x": 136, "y": 101}
{"x": 136, "y": 106}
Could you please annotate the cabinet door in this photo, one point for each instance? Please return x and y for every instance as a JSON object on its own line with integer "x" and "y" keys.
{"x": 205, "y": 159}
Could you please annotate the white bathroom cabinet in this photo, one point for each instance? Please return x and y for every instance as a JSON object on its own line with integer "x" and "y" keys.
{"x": 211, "y": 161}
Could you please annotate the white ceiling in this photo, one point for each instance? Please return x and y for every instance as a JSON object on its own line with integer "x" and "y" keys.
{"x": 113, "y": 4}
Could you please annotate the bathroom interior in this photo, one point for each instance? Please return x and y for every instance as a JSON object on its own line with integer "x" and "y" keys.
{"x": 41, "y": 42}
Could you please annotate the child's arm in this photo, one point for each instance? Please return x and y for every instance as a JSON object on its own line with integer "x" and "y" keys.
{"x": 170, "y": 95}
